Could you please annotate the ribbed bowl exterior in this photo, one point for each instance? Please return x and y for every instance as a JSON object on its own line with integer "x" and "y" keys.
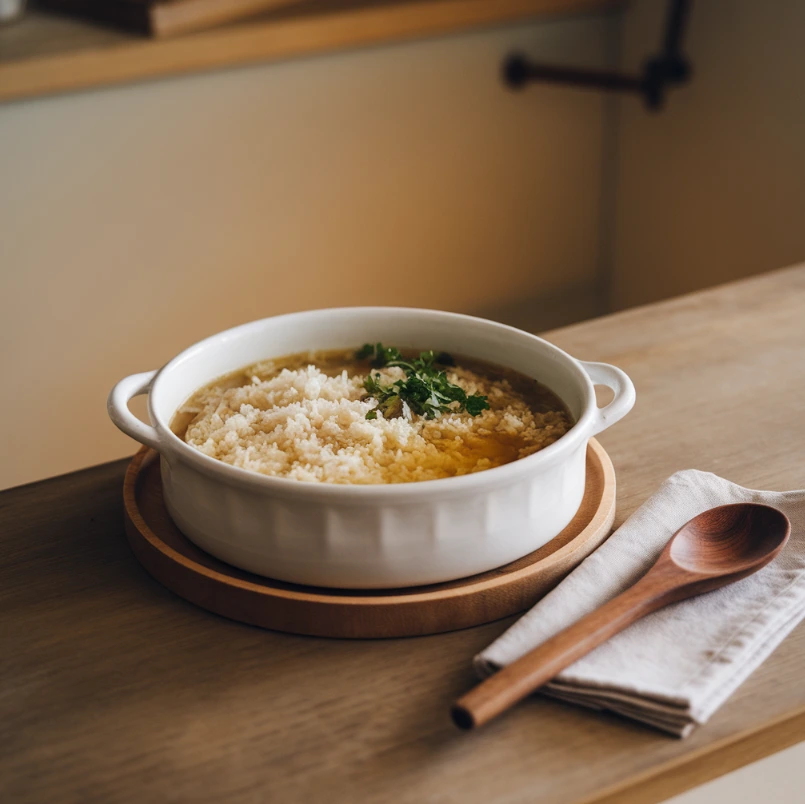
{"x": 358, "y": 544}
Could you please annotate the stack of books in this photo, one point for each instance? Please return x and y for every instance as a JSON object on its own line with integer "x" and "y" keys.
{"x": 162, "y": 18}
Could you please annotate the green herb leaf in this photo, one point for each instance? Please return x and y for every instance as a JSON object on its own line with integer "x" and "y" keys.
{"x": 425, "y": 391}
{"x": 381, "y": 355}
{"x": 476, "y": 403}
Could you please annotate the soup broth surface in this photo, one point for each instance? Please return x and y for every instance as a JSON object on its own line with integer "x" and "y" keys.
{"x": 304, "y": 416}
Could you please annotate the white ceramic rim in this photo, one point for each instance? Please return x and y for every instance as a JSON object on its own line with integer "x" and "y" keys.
{"x": 592, "y": 421}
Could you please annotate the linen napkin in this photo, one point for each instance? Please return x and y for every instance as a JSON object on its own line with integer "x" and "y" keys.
{"x": 675, "y": 667}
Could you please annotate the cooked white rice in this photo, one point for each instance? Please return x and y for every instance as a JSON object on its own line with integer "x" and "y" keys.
{"x": 305, "y": 425}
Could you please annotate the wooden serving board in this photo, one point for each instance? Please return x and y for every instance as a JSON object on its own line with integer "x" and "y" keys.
{"x": 359, "y": 614}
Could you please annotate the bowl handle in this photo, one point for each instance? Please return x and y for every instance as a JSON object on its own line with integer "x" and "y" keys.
{"x": 621, "y": 385}
{"x": 119, "y": 413}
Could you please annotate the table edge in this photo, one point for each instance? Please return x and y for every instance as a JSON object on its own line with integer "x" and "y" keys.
{"x": 706, "y": 763}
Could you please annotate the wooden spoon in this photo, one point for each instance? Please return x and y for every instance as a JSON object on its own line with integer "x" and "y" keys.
{"x": 714, "y": 549}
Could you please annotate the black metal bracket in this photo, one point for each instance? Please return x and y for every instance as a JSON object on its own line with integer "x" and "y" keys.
{"x": 669, "y": 68}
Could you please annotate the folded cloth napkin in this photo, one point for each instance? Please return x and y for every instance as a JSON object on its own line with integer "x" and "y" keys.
{"x": 675, "y": 667}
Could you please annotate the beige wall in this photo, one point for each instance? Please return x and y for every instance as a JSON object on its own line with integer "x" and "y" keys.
{"x": 713, "y": 187}
{"x": 137, "y": 220}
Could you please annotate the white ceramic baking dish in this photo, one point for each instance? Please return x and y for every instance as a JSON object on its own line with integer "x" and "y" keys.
{"x": 379, "y": 536}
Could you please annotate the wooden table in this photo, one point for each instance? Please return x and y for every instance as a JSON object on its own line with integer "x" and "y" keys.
{"x": 114, "y": 690}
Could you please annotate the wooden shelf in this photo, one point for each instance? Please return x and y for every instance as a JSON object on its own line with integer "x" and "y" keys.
{"x": 44, "y": 53}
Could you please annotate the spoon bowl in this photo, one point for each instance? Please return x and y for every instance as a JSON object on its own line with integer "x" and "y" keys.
{"x": 729, "y": 539}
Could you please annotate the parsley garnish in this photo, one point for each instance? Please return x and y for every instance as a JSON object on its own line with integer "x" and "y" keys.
{"x": 425, "y": 390}
{"x": 381, "y": 355}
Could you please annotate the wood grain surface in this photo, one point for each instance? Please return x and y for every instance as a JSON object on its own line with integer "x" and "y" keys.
{"x": 112, "y": 689}
{"x": 198, "y": 577}
{"x": 45, "y": 53}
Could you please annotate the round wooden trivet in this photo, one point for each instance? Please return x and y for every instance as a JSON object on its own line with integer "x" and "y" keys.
{"x": 198, "y": 577}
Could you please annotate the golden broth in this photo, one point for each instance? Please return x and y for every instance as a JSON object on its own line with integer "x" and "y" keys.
{"x": 455, "y": 454}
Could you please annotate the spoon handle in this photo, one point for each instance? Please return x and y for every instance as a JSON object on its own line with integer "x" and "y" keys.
{"x": 519, "y": 679}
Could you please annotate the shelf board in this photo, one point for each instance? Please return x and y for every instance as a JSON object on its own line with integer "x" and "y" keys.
{"x": 44, "y": 53}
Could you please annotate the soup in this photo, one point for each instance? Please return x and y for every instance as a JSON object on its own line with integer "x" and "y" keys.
{"x": 378, "y": 415}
